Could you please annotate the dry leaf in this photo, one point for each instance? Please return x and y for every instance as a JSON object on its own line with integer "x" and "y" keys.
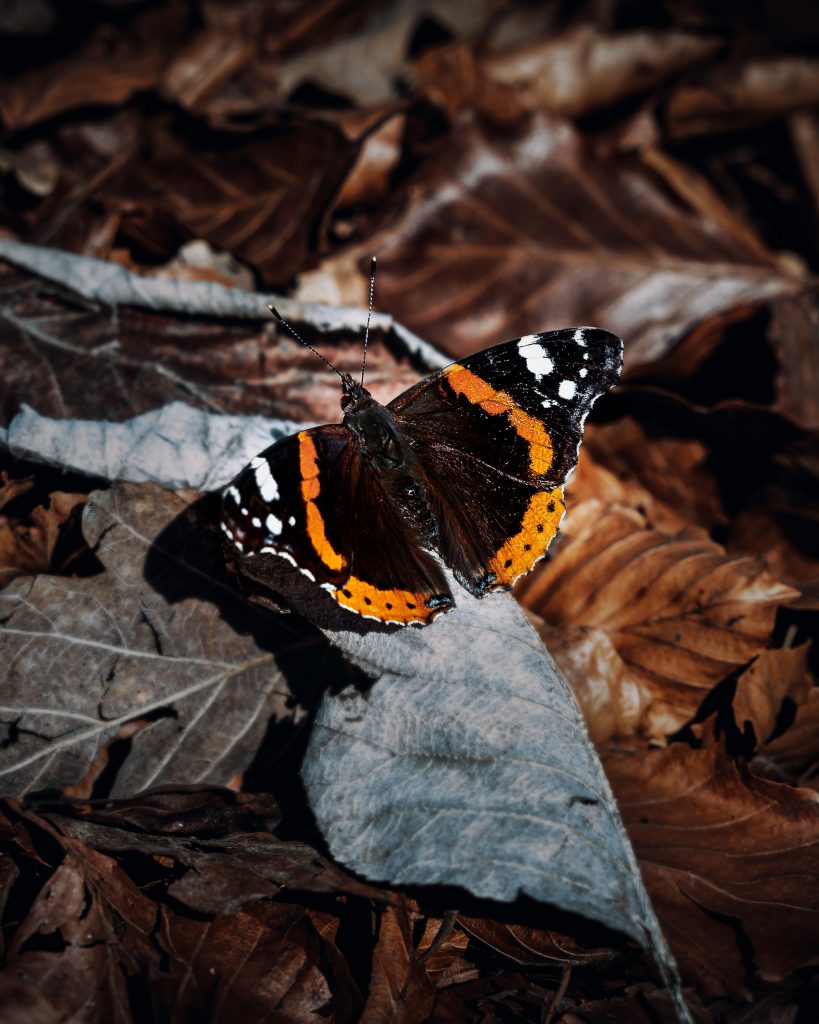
{"x": 731, "y": 862}
{"x": 153, "y": 639}
{"x": 774, "y": 676}
{"x": 585, "y": 68}
{"x": 681, "y": 613}
{"x": 501, "y": 235}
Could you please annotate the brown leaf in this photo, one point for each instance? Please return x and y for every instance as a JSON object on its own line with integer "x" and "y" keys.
{"x": 679, "y": 612}
{"x": 267, "y": 962}
{"x": 731, "y": 96}
{"x": 399, "y": 988}
{"x": 262, "y": 200}
{"x": 93, "y": 945}
{"x": 793, "y": 757}
{"x": 672, "y": 470}
{"x": 640, "y": 1004}
{"x": 112, "y": 66}
{"x": 773, "y": 677}
{"x": 369, "y": 178}
{"x": 615, "y": 702}
{"x": 730, "y": 861}
{"x": 529, "y": 946}
{"x": 27, "y": 544}
{"x": 502, "y": 235}
{"x": 200, "y": 68}
{"x": 220, "y": 844}
{"x": 83, "y": 936}
{"x": 584, "y": 68}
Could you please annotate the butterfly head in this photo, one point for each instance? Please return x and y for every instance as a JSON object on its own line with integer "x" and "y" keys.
{"x": 353, "y": 394}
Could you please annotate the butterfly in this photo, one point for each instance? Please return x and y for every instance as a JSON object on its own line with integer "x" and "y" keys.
{"x": 468, "y": 464}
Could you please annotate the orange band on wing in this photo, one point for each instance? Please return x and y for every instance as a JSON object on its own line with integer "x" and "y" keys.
{"x": 497, "y": 403}
{"x": 388, "y": 605}
{"x": 310, "y": 490}
{"x": 540, "y": 523}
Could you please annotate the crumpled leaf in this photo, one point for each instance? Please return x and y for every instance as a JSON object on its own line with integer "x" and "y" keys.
{"x": 504, "y": 234}
{"x": 731, "y": 862}
{"x": 176, "y": 446}
{"x": 159, "y": 639}
{"x": 94, "y": 945}
{"x": 101, "y": 322}
{"x": 221, "y": 843}
{"x": 680, "y": 612}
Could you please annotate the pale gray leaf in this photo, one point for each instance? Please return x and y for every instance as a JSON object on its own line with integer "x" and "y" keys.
{"x": 468, "y": 764}
{"x": 158, "y": 638}
{"x": 175, "y": 446}
{"x": 114, "y": 285}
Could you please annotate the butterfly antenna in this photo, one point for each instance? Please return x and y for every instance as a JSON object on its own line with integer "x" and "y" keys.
{"x": 369, "y": 314}
{"x": 299, "y": 338}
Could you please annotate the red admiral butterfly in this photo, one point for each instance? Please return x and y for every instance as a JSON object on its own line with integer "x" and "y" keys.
{"x": 469, "y": 463}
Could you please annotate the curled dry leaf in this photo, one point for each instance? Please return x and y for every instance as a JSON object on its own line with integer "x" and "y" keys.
{"x": 159, "y": 638}
{"x": 773, "y": 677}
{"x": 400, "y": 990}
{"x": 503, "y": 234}
{"x": 533, "y": 947}
{"x": 27, "y": 543}
{"x": 680, "y": 612}
{"x": 793, "y": 757}
{"x": 731, "y": 862}
{"x": 736, "y": 95}
{"x": 584, "y": 68}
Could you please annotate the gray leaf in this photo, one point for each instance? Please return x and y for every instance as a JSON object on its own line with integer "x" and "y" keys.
{"x": 468, "y": 764}
{"x": 82, "y": 658}
{"x": 175, "y": 446}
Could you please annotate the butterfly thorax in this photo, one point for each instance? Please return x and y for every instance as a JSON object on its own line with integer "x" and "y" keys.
{"x": 383, "y": 445}
{"x": 373, "y": 425}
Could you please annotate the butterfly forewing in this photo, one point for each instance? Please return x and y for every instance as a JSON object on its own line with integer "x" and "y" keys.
{"x": 312, "y": 501}
{"x": 496, "y": 434}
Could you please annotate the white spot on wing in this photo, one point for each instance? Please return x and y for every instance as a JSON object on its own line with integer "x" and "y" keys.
{"x": 256, "y": 522}
{"x": 233, "y": 493}
{"x": 291, "y": 521}
{"x": 273, "y": 525}
{"x": 268, "y": 487}
{"x": 580, "y": 337}
{"x": 537, "y": 361}
{"x": 547, "y": 403}
{"x": 567, "y": 389}
{"x": 583, "y": 371}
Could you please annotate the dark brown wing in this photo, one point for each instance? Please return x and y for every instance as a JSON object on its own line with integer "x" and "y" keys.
{"x": 310, "y": 499}
{"x": 495, "y": 436}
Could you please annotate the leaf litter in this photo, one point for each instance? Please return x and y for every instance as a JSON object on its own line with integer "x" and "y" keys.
{"x": 679, "y": 602}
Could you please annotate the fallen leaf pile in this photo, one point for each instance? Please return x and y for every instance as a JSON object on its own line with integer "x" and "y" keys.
{"x": 183, "y": 755}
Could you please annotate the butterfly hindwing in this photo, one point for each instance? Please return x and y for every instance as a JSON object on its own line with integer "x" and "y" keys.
{"x": 495, "y": 436}
{"x": 312, "y": 500}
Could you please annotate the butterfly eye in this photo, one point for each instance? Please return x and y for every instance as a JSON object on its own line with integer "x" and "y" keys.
{"x": 345, "y": 400}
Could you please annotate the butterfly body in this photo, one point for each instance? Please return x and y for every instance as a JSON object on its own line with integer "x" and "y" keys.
{"x": 468, "y": 465}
